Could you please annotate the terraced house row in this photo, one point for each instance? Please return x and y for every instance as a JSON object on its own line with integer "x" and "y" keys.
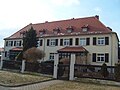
{"x": 92, "y": 42}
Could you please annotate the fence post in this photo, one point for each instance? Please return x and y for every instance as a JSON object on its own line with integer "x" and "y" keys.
{"x": 23, "y": 66}
{"x": 1, "y": 63}
{"x": 55, "y": 66}
{"x": 72, "y": 62}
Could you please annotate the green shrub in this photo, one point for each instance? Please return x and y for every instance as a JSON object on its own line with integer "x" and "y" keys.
{"x": 117, "y": 71}
{"x": 104, "y": 72}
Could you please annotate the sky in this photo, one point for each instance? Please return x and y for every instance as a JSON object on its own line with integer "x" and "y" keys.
{"x": 16, "y": 14}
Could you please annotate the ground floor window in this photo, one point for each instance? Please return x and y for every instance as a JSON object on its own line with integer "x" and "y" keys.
{"x": 100, "y": 57}
{"x": 51, "y": 57}
{"x": 64, "y": 55}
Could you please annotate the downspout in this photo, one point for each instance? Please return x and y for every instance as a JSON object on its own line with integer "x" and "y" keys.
{"x": 111, "y": 49}
{"x": 44, "y": 47}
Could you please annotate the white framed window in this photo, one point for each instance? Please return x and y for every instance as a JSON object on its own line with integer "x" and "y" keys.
{"x": 66, "y": 42}
{"x": 10, "y": 43}
{"x": 69, "y": 30}
{"x": 85, "y": 29}
{"x": 51, "y": 57}
{"x": 100, "y": 57}
{"x": 101, "y": 41}
{"x": 17, "y": 43}
{"x": 41, "y": 33}
{"x": 82, "y": 41}
{"x": 52, "y": 42}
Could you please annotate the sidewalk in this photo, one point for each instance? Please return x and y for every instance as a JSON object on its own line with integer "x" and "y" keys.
{"x": 37, "y": 86}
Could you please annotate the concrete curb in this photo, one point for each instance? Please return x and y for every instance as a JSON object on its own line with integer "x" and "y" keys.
{"x": 98, "y": 81}
{"x": 20, "y": 85}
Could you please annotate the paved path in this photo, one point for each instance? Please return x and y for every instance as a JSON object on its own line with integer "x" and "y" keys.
{"x": 37, "y": 86}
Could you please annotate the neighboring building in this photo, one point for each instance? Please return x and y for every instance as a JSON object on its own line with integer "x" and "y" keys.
{"x": 88, "y": 37}
{"x": 1, "y": 52}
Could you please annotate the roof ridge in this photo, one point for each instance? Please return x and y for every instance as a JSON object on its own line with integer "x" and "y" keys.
{"x": 64, "y": 20}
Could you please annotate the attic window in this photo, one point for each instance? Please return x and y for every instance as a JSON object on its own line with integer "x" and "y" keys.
{"x": 56, "y": 30}
{"x": 69, "y": 29}
{"x": 85, "y": 28}
{"x": 42, "y": 32}
{"x": 22, "y": 34}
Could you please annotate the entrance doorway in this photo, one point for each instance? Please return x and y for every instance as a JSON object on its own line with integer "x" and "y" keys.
{"x": 64, "y": 66}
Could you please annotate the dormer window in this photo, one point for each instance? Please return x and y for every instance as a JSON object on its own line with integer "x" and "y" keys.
{"x": 22, "y": 34}
{"x": 56, "y": 30}
{"x": 85, "y": 28}
{"x": 70, "y": 29}
{"x": 41, "y": 32}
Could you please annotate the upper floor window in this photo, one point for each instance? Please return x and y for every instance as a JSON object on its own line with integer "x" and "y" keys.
{"x": 66, "y": 42}
{"x": 82, "y": 41}
{"x": 17, "y": 43}
{"x": 101, "y": 41}
{"x": 9, "y": 43}
{"x": 52, "y": 42}
{"x": 40, "y": 42}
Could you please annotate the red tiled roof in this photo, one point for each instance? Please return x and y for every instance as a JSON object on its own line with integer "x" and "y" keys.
{"x": 72, "y": 50}
{"x": 17, "y": 49}
{"x": 94, "y": 25}
{"x": 1, "y": 49}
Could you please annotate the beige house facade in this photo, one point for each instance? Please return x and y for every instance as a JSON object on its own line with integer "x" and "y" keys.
{"x": 92, "y": 42}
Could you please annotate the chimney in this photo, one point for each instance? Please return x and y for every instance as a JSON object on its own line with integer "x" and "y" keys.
{"x": 46, "y": 21}
{"x": 97, "y": 17}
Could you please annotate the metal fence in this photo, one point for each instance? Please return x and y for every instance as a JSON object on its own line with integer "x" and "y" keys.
{"x": 44, "y": 68}
{"x": 94, "y": 71}
{"x": 12, "y": 64}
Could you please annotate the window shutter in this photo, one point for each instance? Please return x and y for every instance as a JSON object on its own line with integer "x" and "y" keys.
{"x": 94, "y": 40}
{"x": 11, "y": 43}
{"x": 56, "y": 42}
{"x": 87, "y": 41}
{"x": 5, "y": 53}
{"x": 94, "y": 57}
{"x": 106, "y": 57}
{"x": 6, "y": 43}
{"x": 71, "y": 41}
{"x": 61, "y": 42}
{"x": 106, "y": 40}
{"x": 48, "y": 42}
{"x": 20, "y": 43}
{"x": 14, "y": 43}
{"x": 41, "y": 42}
{"x": 77, "y": 41}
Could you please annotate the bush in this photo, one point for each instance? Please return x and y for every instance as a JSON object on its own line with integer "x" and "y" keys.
{"x": 104, "y": 72}
{"x": 117, "y": 71}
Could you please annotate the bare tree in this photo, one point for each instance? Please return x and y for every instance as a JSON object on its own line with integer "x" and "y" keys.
{"x": 33, "y": 54}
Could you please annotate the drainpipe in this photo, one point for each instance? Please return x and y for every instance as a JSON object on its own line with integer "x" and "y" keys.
{"x": 111, "y": 51}
{"x": 44, "y": 46}
{"x": 111, "y": 48}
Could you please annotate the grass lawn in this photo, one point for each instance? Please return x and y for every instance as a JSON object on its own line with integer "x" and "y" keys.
{"x": 12, "y": 79}
{"x": 68, "y": 85}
